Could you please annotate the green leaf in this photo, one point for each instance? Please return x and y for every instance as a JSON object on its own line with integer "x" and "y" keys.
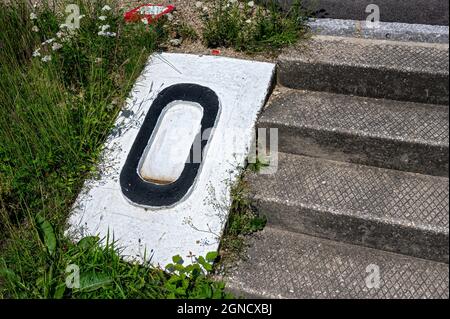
{"x": 177, "y": 260}
{"x": 93, "y": 281}
{"x": 208, "y": 267}
{"x": 219, "y": 291}
{"x": 46, "y": 234}
{"x": 211, "y": 256}
{"x": 8, "y": 274}
{"x": 201, "y": 260}
{"x": 206, "y": 291}
{"x": 60, "y": 290}
{"x": 88, "y": 242}
{"x": 181, "y": 291}
{"x": 179, "y": 268}
{"x": 170, "y": 268}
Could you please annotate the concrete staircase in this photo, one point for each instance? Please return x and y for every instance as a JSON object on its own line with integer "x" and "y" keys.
{"x": 359, "y": 205}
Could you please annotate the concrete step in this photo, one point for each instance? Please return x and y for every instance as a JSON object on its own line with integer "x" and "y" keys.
{"x": 384, "y": 31}
{"x": 408, "y": 71}
{"x": 385, "y": 209}
{"x": 385, "y": 133}
{"x": 406, "y": 11}
{"x": 287, "y": 265}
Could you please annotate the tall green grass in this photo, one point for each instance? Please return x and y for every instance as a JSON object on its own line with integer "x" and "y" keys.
{"x": 55, "y": 116}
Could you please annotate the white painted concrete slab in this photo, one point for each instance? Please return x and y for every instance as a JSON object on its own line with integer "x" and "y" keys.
{"x": 195, "y": 224}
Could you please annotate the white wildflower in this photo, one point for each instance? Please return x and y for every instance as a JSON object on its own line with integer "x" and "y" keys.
{"x": 144, "y": 21}
{"x": 81, "y": 16}
{"x": 106, "y": 8}
{"x": 33, "y": 16}
{"x": 175, "y": 42}
{"x": 56, "y": 46}
{"x": 198, "y": 4}
{"x": 169, "y": 16}
{"x": 59, "y": 34}
{"x": 46, "y": 58}
{"x": 35, "y": 29}
{"x": 248, "y": 21}
{"x": 107, "y": 34}
{"x": 251, "y": 4}
{"x": 63, "y": 26}
{"x": 49, "y": 41}
{"x": 102, "y": 18}
{"x": 104, "y": 27}
{"x": 37, "y": 53}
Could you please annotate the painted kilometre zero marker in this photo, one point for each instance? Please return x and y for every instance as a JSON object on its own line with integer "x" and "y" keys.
{"x": 167, "y": 169}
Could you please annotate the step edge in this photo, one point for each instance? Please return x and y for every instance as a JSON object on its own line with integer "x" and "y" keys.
{"x": 368, "y": 67}
{"x": 437, "y": 230}
{"x": 423, "y": 142}
{"x": 234, "y": 285}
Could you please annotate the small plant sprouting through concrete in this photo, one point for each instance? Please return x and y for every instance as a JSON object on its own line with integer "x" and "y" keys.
{"x": 243, "y": 220}
{"x": 257, "y": 165}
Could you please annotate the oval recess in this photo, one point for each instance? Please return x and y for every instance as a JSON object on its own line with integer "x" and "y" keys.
{"x": 169, "y": 147}
{"x": 143, "y": 187}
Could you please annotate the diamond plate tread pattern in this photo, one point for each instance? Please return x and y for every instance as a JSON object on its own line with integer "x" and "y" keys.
{"x": 406, "y": 71}
{"x": 416, "y": 57}
{"x": 385, "y": 209}
{"x": 413, "y": 199}
{"x": 388, "y": 119}
{"x": 384, "y": 133}
{"x": 287, "y": 265}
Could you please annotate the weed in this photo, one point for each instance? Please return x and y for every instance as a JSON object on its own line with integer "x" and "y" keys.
{"x": 60, "y": 92}
{"x": 184, "y": 31}
{"x": 258, "y": 165}
{"x": 247, "y": 27}
{"x": 242, "y": 221}
{"x": 189, "y": 281}
{"x": 93, "y": 268}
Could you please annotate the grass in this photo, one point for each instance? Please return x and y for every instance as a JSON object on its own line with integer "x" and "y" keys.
{"x": 60, "y": 93}
{"x": 246, "y": 27}
{"x": 55, "y": 117}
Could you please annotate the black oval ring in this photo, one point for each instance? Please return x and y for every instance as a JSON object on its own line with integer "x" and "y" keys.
{"x": 145, "y": 193}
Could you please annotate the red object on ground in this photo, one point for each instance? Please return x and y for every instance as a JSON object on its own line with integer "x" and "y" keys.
{"x": 215, "y": 52}
{"x": 150, "y": 12}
